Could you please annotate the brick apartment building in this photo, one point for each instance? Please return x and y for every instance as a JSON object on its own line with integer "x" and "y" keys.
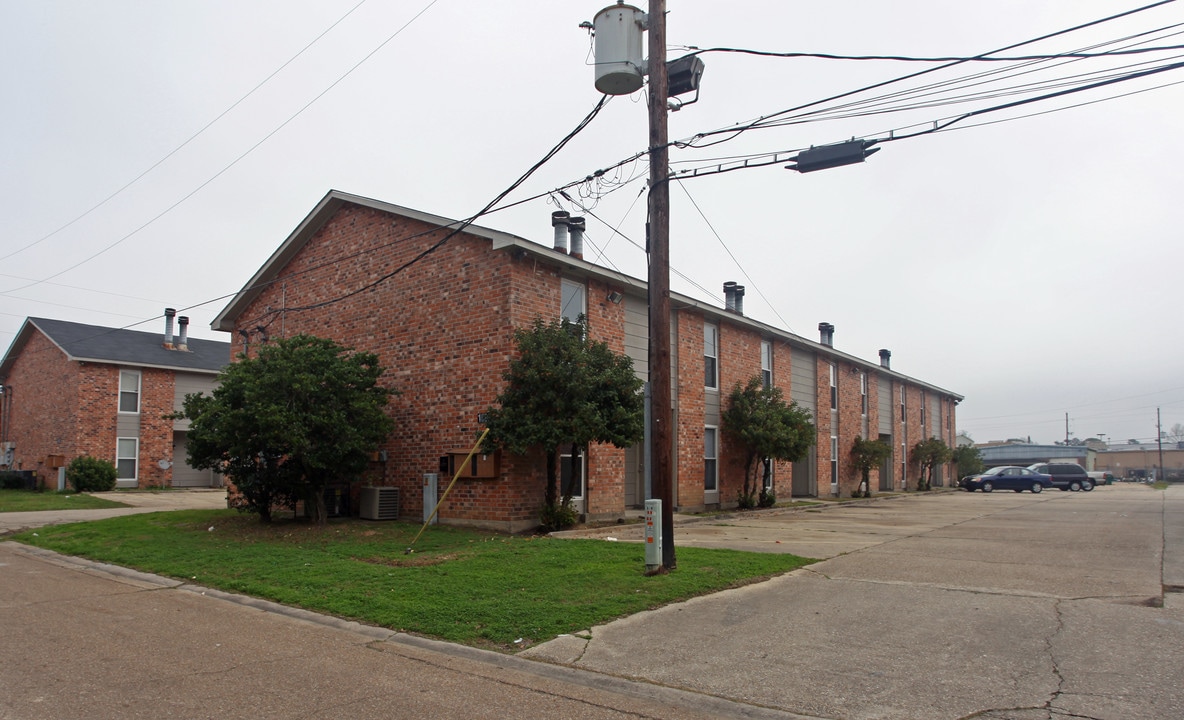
{"x": 72, "y": 389}
{"x": 439, "y": 308}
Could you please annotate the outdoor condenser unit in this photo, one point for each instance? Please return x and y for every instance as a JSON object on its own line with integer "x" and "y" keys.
{"x": 379, "y": 503}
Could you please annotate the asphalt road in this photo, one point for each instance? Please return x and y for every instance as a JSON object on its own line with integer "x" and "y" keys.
{"x": 946, "y": 605}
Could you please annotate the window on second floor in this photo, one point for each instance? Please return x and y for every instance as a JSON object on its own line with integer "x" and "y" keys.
{"x": 903, "y": 418}
{"x": 834, "y": 387}
{"x": 863, "y": 392}
{"x": 574, "y": 300}
{"x": 710, "y": 355}
{"x": 767, "y": 363}
{"x": 129, "y": 391}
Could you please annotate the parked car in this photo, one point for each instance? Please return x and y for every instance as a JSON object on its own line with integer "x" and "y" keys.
{"x": 1065, "y": 476}
{"x": 1101, "y": 478}
{"x": 1007, "y": 477}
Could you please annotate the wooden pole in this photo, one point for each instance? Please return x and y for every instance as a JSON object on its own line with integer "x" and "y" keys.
{"x": 661, "y": 436}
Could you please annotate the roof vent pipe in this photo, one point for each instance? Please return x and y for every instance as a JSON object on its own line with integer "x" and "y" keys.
{"x": 885, "y": 358}
{"x": 730, "y": 296}
{"x": 826, "y": 333}
{"x": 169, "y": 314}
{"x": 183, "y": 340}
{"x": 576, "y": 226}
{"x": 559, "y": 220}
{"x": 739, "y": 300}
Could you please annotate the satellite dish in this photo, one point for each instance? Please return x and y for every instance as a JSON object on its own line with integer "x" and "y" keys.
{"x": 164, "y": 464}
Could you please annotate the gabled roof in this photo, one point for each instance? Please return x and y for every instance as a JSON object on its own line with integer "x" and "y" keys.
{"x": 334, "y": 200}
{"x": 94, "y": 343}
{"x": 326, "y": 209}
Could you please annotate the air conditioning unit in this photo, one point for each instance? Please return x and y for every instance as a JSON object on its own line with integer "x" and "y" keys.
{"x": 379, "y": 503}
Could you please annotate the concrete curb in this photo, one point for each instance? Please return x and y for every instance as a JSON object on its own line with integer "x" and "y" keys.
{"x": 625, "y": 687}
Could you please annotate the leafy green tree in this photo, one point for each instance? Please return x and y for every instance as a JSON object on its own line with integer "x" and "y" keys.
{"x": 928, "y": 454}
{"x": 868, "y": 455}
{"x": 304, "y": 413}
{"x": 765, "y": 426}
{"x": 565, "y": 389}
{"x": 969, "y": 460}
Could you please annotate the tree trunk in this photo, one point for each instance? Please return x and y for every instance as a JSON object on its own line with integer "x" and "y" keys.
{"x": 551, "y": 498}
{"x": 314, "y": 505}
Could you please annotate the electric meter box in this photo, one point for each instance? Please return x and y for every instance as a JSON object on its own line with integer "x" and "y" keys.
{"x": 653, "y": 534}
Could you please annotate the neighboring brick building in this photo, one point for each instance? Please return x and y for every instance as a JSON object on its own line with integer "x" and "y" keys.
{"x": 71, "y": 389}
{"x": 439, "y": 308}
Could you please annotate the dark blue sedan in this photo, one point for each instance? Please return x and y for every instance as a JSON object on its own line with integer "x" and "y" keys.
{"x": 1007, "y": 477}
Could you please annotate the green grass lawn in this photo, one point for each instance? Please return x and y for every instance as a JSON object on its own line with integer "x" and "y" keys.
{"x": 28, "y": 501}
{"x": 460, "y": 585}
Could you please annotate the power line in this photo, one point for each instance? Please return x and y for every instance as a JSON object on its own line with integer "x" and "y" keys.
{"x": 728, "y": 250}
{"x": 191, "y": 138}
{"x": 735, "y": 130}
{"x": 238, "y": 159}
{"x": 946, "y": 59}
{"x": 463, "y": 224}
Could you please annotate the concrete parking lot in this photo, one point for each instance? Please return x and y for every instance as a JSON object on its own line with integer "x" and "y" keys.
{"x": 948, "y": 605}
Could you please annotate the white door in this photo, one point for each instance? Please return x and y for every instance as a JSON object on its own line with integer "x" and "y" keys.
{"x": 573, "y": 482}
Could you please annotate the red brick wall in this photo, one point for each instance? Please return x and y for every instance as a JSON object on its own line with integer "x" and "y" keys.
{"x": 782, "y": 376}
{"x": 605, "y": 472}
{"x": 443, "y": 329}
{"x": 157, "y": 390}
{"x": 689, "y": 399}
{"x": 913, "y": 416}
{"x": 822, "y": 420}
{"x": 739, "y": 360}
{"x": 67, "y": 408}
{"x": 44, "y": 409}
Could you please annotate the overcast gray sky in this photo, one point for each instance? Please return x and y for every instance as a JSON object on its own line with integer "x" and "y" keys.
{"x": 1031, "y": 265}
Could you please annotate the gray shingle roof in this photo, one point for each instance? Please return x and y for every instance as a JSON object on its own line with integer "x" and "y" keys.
{"x": 95, "y": 343}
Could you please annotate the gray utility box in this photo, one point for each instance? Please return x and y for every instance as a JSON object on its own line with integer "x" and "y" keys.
{"x": 379, "y": 503}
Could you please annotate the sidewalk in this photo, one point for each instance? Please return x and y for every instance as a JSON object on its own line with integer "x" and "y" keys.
{"x": 137, "y": 502}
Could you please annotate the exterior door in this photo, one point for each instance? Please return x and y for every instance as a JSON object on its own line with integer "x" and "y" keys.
{"x": 804, "y": 477}
{"x": 572, "y": 477}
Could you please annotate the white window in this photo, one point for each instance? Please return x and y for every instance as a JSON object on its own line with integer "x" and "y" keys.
{"x": 710, "y": 356}
{"x": 767, "y": 474}
{"x": 922, "y": 412}
{"x": 903, "y": 419}
{"x": 710, "y": 459}
{"x": 834, "y": 462}
{"x": 903, "y": 466}
{"x": 863, "y": 393}
{"x": 129, "y": 391}
{"x": 767, "y": 363}
{"x": 127, "y": 451}
{"x": 834, "y": 387}
{"x": 574, "y": 300}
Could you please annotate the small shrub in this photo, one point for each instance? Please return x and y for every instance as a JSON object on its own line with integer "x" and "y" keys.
{"x": 767, "y": 498}
{"x": 745, "y": 501}
{"x": 557, "y": 517}
{"x": 88, "y": 474}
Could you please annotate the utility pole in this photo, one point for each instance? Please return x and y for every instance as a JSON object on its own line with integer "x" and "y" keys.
{"x": 1159, "y": 439}
{"x": 658, "y": 240}
{"x": 1066, "y": 428}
